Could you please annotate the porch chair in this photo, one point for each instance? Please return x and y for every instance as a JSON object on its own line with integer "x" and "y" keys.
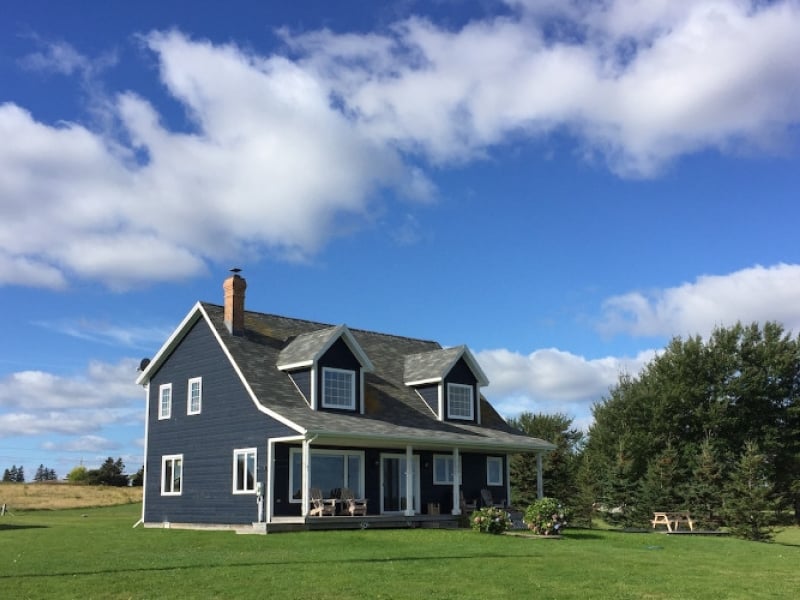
{"x": 467, "y": 508}
{"x": 352, "y": 505}
{"x": 321, "y": 506}
{"x": 487, "y": 500}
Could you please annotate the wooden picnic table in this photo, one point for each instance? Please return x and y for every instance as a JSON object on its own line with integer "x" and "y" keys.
{"x": 673, "y": 520}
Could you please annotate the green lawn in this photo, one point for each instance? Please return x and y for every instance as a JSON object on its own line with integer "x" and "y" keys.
{"x": 95, "y": 553}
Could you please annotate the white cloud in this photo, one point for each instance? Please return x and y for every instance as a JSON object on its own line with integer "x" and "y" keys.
{"x": 270, "y": 167}
{"x": 755, "y": 294}
{"x": 282, "y": 151}
{"x": 84, "y": 443}
{"x": 103, "y": 386}
{"x": 552, "y": 380}
{"x": 639, "y": 83}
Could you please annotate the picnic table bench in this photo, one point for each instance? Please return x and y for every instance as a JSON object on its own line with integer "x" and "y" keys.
{"x": 673, "y": 520}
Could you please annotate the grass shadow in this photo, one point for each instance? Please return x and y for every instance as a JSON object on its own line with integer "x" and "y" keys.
{"x": 7, "y": 527}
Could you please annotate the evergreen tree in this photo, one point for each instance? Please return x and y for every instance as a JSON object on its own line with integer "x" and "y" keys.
{"x": 705, "y": 490}
{"x": 137, "y": 480}
{"x": 661, "y": 487}
{"x": 20, "y": 476}
{"x": 40, "y": 476}
{"x": 109, "y": 473}
{"x": 749, "y": 503}
{"x": 7, "y": 476}
{"x": 558, "y": 466}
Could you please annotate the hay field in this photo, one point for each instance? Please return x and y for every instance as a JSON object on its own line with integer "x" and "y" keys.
{"x": 59, "y": 495}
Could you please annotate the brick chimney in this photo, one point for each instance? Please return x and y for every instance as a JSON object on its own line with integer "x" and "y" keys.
{"x": 234, "y": 287}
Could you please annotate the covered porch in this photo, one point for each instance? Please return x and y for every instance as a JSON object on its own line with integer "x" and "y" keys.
{"x": 407, "y": 483}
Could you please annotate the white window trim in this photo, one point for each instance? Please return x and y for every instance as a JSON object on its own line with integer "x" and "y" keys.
{"x": 324, "y": 452}
{"x": 199, "y": 381}
{"x": 494, "y": 459}
{"x": 164, "y": 460}
{"x": 352, "y": 405}
{"x": 161, "y": 413}
{"x": 449, "y": 458}
{"x": 450, "y": 415}
{"x": 236, "y": 454}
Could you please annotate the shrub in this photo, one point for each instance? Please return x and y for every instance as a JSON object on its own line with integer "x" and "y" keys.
{"x": 545, "y": 517}
{"x": 490, "y": 520}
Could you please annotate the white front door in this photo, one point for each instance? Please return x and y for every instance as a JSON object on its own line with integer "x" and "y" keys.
{"x": 393, "y": 483}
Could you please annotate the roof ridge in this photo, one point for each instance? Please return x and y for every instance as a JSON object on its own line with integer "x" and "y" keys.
{"x": 330, "y": 325}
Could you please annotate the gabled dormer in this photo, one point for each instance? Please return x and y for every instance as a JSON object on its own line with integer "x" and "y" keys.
{"x": 328, "y": 367}
{"x": 449, "y": 381}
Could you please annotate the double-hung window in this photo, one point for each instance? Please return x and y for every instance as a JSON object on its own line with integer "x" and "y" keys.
{"x": 194, "y": 396}
{"x": 171, "y": 475}
{"x": 165, "y": 401}
{"x": 443, "y": 471}
{"x": 494, "y": 470}
{"x": 244, "y": 471}
{"x": 338, "y": 388}
{"x": 459, "y": 401}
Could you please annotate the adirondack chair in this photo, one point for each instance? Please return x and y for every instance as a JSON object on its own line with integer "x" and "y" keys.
{"x": 320, "y": 506}
{"x": 467, "y": 507}
{"x": 487, "y": 500}
{"x": 352, "y": 505}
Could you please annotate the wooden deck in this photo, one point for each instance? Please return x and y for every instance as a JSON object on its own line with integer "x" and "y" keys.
{"x": 283, "y": 524}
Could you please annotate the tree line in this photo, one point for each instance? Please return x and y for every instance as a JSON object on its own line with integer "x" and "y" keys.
{"x": 710, "y": 426}
{"x": 110, "y": 473}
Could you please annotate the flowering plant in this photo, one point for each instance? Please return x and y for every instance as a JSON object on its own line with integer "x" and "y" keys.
{"x": 490, "y": 520}
{"x": 545, "y": 517}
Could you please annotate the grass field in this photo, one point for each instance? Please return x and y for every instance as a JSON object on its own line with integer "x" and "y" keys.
{"x": 60, "y": 495}
{"x": 95, "y": 553}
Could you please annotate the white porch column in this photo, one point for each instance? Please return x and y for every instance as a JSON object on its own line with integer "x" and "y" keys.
{"x": 456, "y": 482}
{"x": 269, "y": 481}
{"x": 306, "y": 484}
{"x": 508, "y": 480}
{"x": 539, "y": 484}
{"x": 409, "y": 481}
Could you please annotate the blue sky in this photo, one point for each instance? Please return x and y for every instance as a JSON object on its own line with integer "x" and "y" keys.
{"x": 562, "y": 186}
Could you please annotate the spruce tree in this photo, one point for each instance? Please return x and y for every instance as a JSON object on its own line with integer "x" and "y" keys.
{"x": 749, "y": 502}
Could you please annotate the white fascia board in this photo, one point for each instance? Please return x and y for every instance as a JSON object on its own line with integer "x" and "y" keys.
{"x": 278, "y": 417}
{"x": 171, "y": 343}
{"x": 473, "y": 364}
{"x": 355, "y": 347}
{"x": 424, "y": 381}
{"x": 297, "y": 365}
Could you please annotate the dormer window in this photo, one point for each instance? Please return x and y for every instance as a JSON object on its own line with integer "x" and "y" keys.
{"x": 338, "y": 388}
{"x": 459, "y": 401}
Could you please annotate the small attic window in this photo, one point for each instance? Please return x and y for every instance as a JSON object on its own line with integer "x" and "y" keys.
{"x": 459, "y": 401}
{"x": 338, "y": 388}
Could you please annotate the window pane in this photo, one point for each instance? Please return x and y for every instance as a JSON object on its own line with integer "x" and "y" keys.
{"x": 354, "y": 473}
{"x": 297, "y": 475}
{"x": 327, "y": 473}
{"x": 459, "y": 400}
{"x": 177, "y": 476}
{"x": 338, "y": 388}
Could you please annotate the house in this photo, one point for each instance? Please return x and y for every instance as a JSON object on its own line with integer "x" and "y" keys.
{"x": 248, "y": 412}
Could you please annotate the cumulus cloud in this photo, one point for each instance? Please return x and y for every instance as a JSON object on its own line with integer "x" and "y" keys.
{"x": 552, "y": 380}
{"x": 638, "y": 83}
{"x": 106, "y": 386}
{"x": 753, "y": 294}
{"x": 283, "y": 151}
{"x": 270, "y": 166}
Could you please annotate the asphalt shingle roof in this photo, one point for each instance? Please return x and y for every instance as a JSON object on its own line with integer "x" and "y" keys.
{"x": 394, "y": 412}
